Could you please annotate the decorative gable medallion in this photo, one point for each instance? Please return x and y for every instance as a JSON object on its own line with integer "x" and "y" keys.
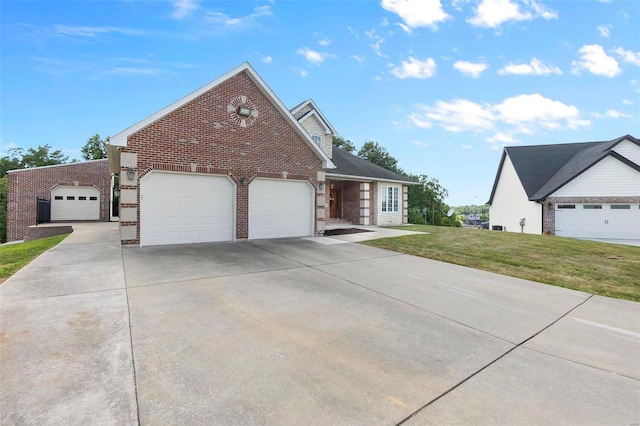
{"x": 242, "y": 111}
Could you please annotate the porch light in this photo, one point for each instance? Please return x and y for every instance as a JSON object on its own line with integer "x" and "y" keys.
{"x": 131, "y": 175}
{"x": 243, "y": 111}
{"x": 116, "y": 191}
{"x": 243, "y": 181}
{"x": 320, "y": 186}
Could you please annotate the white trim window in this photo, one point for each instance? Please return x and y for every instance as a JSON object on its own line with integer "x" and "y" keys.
{"x": 389, "y": 198}
{"x": 317, "y": 139}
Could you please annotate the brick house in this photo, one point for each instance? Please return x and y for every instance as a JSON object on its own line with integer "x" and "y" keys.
{"x": 582, "y": 190}
{"x": 77, "y": 191}
{"x": 230, "y": 162}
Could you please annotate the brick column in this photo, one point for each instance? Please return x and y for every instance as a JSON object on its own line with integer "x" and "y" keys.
{"x": 405, "y": 204}
{"x": 365, "y": 204}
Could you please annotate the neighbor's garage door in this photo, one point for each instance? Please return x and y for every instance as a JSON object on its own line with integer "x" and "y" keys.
{"x": 615, "y": 221}
{"x": 178, "y": 208}
{"x": 75, "y": 203}
{"x": 280, "y": 208}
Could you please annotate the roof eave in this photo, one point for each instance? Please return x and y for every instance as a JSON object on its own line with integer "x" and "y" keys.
{"x": 368, "y": 179}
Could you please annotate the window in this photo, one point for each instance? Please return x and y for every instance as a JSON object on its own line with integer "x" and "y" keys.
{"x": 389, "y": 199}
{"x": 566, "y": 206}
{"x": 81, "y": 198}
{"x": 593, "y": 206}
{"x": 621, "y": 207}
{"x": 59, "y": 197}
{"x": 317, "y": 139}
{"x": 70, "y": 197}
{"x": 93, "y": 198}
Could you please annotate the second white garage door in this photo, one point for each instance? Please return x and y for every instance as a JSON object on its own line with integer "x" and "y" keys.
{"x": 280, "y": 208}
{"x": 75, "y": 203}
{"x": 177, "y": 208}
{"x": 614, "y": 221}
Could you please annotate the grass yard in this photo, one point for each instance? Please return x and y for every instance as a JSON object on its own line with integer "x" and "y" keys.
{"x": 15, "y": 256}
{"x": 605, "y": 269}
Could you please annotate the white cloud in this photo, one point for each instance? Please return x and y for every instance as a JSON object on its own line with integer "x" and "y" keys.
{"x": 420, "y": 143}
{"x": 605, "y": 30}
{"x": 523, "y": 114}
{"x": 85, "y": 31}
{"x": 376, "y": 42}
{"x": 313, "y": 56}
{"x": 241, "y": 22}
{"x": 595, "y": 60}
{"x": 535, "y": 67}
{"x": 417, "y": 13}
{"x": 467, "y": 147}
{"x": 493, "y": 13}
{"x": 359, "y": 58}
{"x": 612, "y": 113}
{"x": 415, "y": 68}
{"x": 324, "y": 42}
{"x": 137, "y": 71}
{"x": 471, "y": 69}
{"x": 628, "y": 56}
{"x": 266, "y": 59}
{"x": 301, "y": 72}
{"x": 627, "y": 102}
{"x": 183, "y": 8}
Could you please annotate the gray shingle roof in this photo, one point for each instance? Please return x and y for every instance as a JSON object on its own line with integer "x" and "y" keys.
{"x": 351, "y": 165}
{"x": 543, "y": 169}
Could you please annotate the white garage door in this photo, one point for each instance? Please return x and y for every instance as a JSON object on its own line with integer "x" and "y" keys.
{"x": 615, "y": 221}
{"x": 280, "y": 208}
{"x": 75, "y": 203}
{"x": 178, "y": 208}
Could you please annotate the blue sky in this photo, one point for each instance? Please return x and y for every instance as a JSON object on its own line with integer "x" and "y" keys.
{"x": 443, "y": 86}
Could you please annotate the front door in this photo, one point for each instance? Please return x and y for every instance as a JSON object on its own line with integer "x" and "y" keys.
{"x": 335, "y": 208}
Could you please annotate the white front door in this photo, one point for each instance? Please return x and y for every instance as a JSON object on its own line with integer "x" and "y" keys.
{"x": 179, "y": 208}
{"x": 280, "y": 208}
{"x": 75, "y": 203}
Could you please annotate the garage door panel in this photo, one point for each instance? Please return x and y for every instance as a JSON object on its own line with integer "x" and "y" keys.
{"x": 176, "y": 208}
{"x": 280, "y": 208}
{"x": 605, "y": 222}
{"x": 75, "y": 203}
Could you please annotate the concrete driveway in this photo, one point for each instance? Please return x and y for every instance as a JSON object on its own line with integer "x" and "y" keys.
{"x": 303, "y": 331}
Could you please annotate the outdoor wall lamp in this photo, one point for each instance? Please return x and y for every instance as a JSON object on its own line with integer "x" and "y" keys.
{"x": 131, "y": 175}
{"x": 243, "y": 181}
{"x": 116, "y": 191}
{"x": 243, "y": 111}
{"x": 321, "y": 186}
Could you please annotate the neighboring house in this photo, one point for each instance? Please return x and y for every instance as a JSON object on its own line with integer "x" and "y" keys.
{"x": 230, "y": 162}
{"x": 77, "y": 191}
{"x": 582, "y": 190}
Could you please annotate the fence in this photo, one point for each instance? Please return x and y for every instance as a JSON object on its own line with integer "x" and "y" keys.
{"x": 43, "y": 214}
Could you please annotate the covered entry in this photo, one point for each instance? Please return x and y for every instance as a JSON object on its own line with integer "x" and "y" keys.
{"x": 280, "y": 208}
{"x": 179, "y": 208}
{"x": 75, "y": 203}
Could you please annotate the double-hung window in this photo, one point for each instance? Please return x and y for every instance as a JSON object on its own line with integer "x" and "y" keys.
{"x": 389, "y": 199}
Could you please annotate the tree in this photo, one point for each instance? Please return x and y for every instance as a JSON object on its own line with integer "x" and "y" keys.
{"x": 11, "y": 162}
{"x": 42, "y": 157}
{"x": 94, "y": 148}
{"x": 377, "y": 154}
{"x": 344, "y": 144}
{"x": 429, "y": 194}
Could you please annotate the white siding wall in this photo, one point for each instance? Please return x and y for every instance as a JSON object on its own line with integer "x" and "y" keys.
{"x": 387, "y": 218}
{"x": 510, "y": 203}
{"x": 608, "y": 178}
{"x": 628, "y": 150}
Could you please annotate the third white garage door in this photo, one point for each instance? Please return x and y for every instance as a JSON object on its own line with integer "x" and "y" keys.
{"x": 614, "y": 221}
{"x": 177, "y": 208}
{"x": 280, "y": 208}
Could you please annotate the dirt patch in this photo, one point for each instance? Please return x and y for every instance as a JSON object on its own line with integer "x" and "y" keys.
{"x": 343, "y": 231}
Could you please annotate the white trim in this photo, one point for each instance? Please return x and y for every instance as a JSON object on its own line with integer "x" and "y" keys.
{"x": 312, "y": 113}
{"x": 120, "y": 139}
{"x": 317, "y": 110}
{"x": 54, "y": 165}
{"x": 330, "y": 175}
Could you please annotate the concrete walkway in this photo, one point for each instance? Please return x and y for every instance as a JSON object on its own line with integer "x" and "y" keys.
{"x": 303, "y": 331}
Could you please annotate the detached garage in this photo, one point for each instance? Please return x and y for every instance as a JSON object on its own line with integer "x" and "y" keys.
{"x": 179, "y": 208}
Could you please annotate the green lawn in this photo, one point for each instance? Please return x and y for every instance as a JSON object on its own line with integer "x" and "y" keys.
{"x": 604, "y": 269}
{"x": 15, "y": 256}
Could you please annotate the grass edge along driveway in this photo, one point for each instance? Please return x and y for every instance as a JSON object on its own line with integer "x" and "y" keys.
{"x": 610, "y": 270}
{"x": 14, "y": 257}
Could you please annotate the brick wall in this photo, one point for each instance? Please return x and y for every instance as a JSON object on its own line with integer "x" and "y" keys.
{"x": 351, "y": 201}
{"x": 26, "y": 185}
{"x": 549, "y": 214}
{"x": 202, "y": 136}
